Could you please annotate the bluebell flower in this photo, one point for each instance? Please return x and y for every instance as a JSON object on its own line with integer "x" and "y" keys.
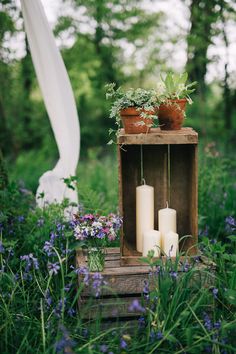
{"x": 53, "y": 268}
{"x": 159, "y": 335}
{"x": 31, "y": 261}
{"x": 141, "y": 322}
{"x": 173, "y": 274}
{"x": 48, "y": 248}
{"x": 2, "y": 248}
{"x": 123, "y": 343}
{"x": 48, "y": 298}
{"x": 207, "y": 322}
{"x": 103, "y": 348}
{"x": 146, "y": 290}
{"x": 135, "y": 306}
{"x": 21, "y": 218}
{"x": 71, "y": 312}
{"x": 65, "y": 344}
{"x": 85, "y": 272}
{"x": 40, "y": 222}
{"x": 215, "y": 292}
{"x": 230, "y": 224}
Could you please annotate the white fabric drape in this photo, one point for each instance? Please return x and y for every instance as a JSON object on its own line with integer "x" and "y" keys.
{"x": 59, "y": 101}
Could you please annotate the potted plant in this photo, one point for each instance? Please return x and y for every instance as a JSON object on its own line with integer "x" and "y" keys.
{"x": 95, "y": 232}
{"x": 136, "y": 108}
{"x": 173, "y": 94}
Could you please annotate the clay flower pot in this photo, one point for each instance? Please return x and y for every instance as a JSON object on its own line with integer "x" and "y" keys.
{"x": 171, "y": 114}
{"x": 132, "y": 121}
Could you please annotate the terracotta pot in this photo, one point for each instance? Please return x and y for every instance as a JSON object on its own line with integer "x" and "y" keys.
{"x": 171, "y": 114}
{"x": 132, "y": 121}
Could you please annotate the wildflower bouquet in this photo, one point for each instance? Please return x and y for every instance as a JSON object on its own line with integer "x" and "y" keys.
{"x": 95, "y": 232}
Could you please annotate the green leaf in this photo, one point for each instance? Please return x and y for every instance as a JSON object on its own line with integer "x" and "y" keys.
{"x": 230, "y": 295}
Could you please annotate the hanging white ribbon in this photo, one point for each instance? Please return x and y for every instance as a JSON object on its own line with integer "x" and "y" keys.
{"x": 59, "y": 101}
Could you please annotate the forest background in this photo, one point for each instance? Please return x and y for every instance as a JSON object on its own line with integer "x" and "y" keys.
{"x": 126, "y": 42}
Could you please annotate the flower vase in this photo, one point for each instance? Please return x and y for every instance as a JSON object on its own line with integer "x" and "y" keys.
{"x": 96, "y": 259}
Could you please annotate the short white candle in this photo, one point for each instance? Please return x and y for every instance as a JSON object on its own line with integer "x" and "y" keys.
{"x": 144, "y": 213}
{"x": 166, "y": 221}
{"x": 151, "y": 241}
{"x": 170, "y": 244}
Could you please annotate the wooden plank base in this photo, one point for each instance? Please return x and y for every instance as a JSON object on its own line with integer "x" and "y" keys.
{"x": 124, "y": 284}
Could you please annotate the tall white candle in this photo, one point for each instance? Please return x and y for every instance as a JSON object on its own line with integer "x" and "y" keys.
{"x": 166, "y": 221}
{"x": 151, "y": 241}
{"x": 171, "y": 244}
{"x": 144, "y": 213}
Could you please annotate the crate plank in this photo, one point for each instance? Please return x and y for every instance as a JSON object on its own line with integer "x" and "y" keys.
{"x": 158, "y": 136}
{"x": 124, "y": 284}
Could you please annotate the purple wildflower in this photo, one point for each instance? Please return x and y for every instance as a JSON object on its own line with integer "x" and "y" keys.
{"x": 207, "y": 322}
{"x": 146, "y": 290}
{"x": 98, "y": 282}
{"x": 48, "y": 248}
{"x": 71, "y": 312}
{"x": 40, "y": 222}
{"x": 103, "y": 348}
{"x": 230, "y": 224}
{"x": 186, "y": 266}
{"x": 31, "y": 261}
{"x": 159, "y": 335}
{"x": 48, "y": 299}
{"x": 141, "y": 322}
{"x": 85, "y": 272}
{"x": 2, "y": 248}
{"x": 174, "y": 275}
{"x": 215, "y": 292}
{"x": 213, "y": 241}
{"x": 123, "y": 344}
{"x": 53, "y": 268}
{"x": 21, "y": 218}
{"x": 136, "y": 306}
{"x": 59, "y": 308}
{"x": 65, "y": 344}
{"x": 217, "y": 325}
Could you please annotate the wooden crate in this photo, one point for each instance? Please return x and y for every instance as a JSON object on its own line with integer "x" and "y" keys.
{"x": 183, "y": 190}
{"x": 124, "y": 284}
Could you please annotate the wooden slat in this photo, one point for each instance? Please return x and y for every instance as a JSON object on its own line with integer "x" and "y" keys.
{"x": 108, "y": 307}
{"x": 158, "y": 136}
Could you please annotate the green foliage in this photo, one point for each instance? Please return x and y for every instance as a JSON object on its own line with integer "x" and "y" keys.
{"x": 139, "y": 98}
{"x": 175, "y": 87}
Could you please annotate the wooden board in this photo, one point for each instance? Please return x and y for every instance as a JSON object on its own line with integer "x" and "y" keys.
{"x": 124, "y": 284}
{"x": 158, "y": 136}
{"x": 154, "y": 147}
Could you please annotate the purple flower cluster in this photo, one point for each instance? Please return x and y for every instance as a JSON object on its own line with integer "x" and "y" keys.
{"x": 65, "y": 344}
{"x": 30, "y": 262}
{"x": 95, "y": 279}
{"x": 90, "y": 227}
{"x": 135, "y": 306}
{"x": 230, "y": 224}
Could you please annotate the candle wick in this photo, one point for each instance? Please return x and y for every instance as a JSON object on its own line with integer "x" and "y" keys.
{"x": 167, "y": 205}
{"x": 143, "y": 180}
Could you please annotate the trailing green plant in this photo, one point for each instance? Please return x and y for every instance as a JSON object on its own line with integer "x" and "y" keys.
{"x": 174, "y": 86}
{"x": 142, "y": 99}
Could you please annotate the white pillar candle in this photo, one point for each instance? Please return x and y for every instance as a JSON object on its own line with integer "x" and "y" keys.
{"x": 144, "y": 213}
{"x": 170, "y": 244}
{"x": 166, "y": 221}
{"x": 151, "y": 241}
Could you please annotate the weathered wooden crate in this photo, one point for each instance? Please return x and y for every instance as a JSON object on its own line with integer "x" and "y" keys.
{"x": 181, "y": 147}
{"x": 124, "y": 284}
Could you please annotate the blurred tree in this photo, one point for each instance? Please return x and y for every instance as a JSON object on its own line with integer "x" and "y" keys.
{"x": 103, "y": 31}
{"x": 204, "y": 14}
{"x": 7, "y": 27}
